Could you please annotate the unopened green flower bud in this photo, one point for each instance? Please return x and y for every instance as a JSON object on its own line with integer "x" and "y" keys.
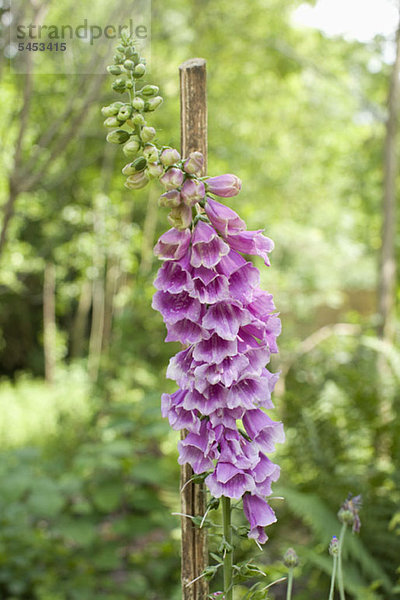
{"x": 131, "y": 148}
{"x": 119, "y": 136}
{"x": 129, "y": 65}
{"x": 108, "y": 111}
{"x": 290, "y": 558}
{"x": 118, "y": 58}
{"x": 111, "y": 122}
{"x": 180, "y": 217}
{"x": 169, "y": 156}
{"x": 137, "y": 181}
{"x": 153, "y": 103}
{"x": 346, "y": 516}
{"x": 139, "y": 70}
{"x": 119, "y": 85}
{"x": 150, "y": 152}
{"x": 120, "y": 48}
{"x": 147, "y": 134}
{"x": 138, "y": 119}
{"x": 129, "y": 52}
{"x": 129, "y": 84}
{"x": 128, "y": 169}
{"x": 149, "y": 90}
{"x": 140, "y": 163}
{"x": 154, "y": 169}
{"x": 116, "y": 106}
{"x": 125, "y": 112}
{"x": 334, "y": 546}
{"x": 134, "y": 56}
{"x": 138, "y": 103}
{"x": 114, "y": 69}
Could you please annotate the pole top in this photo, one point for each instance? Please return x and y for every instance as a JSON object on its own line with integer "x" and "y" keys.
{"x": 193, "y": 63}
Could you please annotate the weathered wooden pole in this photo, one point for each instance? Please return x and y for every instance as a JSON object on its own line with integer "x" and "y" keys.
{"x": 193, "y": 497}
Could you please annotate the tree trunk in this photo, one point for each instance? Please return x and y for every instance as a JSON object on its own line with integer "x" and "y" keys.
{"x": 49, "y": 321}
{"x": 80, "y": 320}
{"x": 387, "y": 271}
{"x": 193, "y": 496}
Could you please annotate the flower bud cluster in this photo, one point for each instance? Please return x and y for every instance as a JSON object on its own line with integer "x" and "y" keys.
{"x": 128, "y": 118}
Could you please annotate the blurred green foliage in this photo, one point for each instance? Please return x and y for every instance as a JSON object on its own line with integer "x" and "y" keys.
{"x": 88, "y": 473}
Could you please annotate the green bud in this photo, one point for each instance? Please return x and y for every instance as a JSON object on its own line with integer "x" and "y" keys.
{"x": 138, "y": 103}
{"x": 129, "y": 64}
{"x": 138, "y": 119}
{"x": 131, "y": 148}
{"x": 129, "y": 52}
{"x": 140, "y": 163}
{"x": 149, "y": 90}
{"x": 290, "y": 558}
{"x": 108, "y": 111}
{"x": 111, "y": 122}
{"x": 151, "y": 153}
{"x": 137, "y": 181}
{"x": 147, "y": 134}
{"x": 154, "y": 169}
{"x": 153, "y": 103}
{"x": 116, "y": 106}
{"x": 121, "y": 48}
{"x": 119, "y": 136}
{"x": 139, "y": 70}
{"x": 114, "y": 70}
{"x": 118, "y": 58}
{"x": 135, "y": 57}
{"x": 128, "y": 169}
{"x": 125, "y": 112}
{"x": 119, "y": 85}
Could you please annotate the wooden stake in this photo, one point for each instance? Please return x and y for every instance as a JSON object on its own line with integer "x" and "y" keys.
{"x": 193, "y": 497}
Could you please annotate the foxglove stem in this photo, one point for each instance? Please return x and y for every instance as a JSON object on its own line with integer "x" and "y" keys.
{"x": 340, "y": 568}
{"x": 228, "y": 557}
{"x": 289, "y": 585}
{"x": 333, "y": 578}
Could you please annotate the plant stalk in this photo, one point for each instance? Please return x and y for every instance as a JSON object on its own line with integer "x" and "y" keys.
{"x": 228, "y": 556}
{"x": 333, "y": 578}
{"x": 289, "y": 584}
{"x": 340, "y": 568}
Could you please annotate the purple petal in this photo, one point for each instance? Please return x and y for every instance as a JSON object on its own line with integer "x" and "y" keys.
{"x": 228, "y": 481}
{"x": 251, "y": 242}
{"x": 225, "y": 318}
{"x": 257, "y": 511}
{"x": 176, "y": 307}
{"x": 185, "y": 331}
{"x": 173, "y": 244}
{"x": 223, "y": 218}
{"x": 207, "y": 246}
{"x": 214, "y": 349}
{"x": 173, "y": 278}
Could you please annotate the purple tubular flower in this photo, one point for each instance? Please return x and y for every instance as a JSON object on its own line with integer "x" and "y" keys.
{"x": 259, "y": 514}
{"x": 173, "y": 244}
{"x": 224, "y": 219}
{"x": 172, "y": 178}
{"x": 194, "y": 163}
{"x": 224, "y": 186}
{"x": 192, "y": 191}
{"x": 207, "y": 246}
{"x": 210, "y": 300}
{"x": 251, "y": 242}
